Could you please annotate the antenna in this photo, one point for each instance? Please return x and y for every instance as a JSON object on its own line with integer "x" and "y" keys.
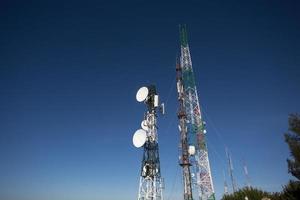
{"x": 184, "y": 144}
{"x": 162, "y": 108}
{"x": 151, "y": 183}
{"x": 142, "y": 94}
{"x": 246, "y": 175}
{"x": 225, "y": 184}
{"x": 192, "y": 130}
{"x": 139, "y": 138}
{"x": 230, "y": 168}
{"x": 144, "y": 125}
{"x": 192, "y": 150}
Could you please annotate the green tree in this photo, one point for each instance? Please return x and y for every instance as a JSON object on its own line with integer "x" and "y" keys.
{"x": 292, "y": 137}
{"x": 291, "y": 191}
{"x": 248, "y": 193}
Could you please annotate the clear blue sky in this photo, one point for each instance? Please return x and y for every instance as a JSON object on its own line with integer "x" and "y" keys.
{"x": 69, "y": 72}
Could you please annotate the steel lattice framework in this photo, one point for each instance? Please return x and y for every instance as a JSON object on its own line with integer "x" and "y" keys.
{"x": 200, "y": 169}
{"x": 184, "y": 144}
{"x": 151, "y": 183}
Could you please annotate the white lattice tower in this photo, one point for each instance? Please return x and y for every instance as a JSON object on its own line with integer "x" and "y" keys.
{"x": 151, "y": 183}
{"x": 195, "y": 124}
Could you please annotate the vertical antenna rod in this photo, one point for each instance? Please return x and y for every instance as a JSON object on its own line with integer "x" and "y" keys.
{"x": 225, "y": 184}
{"x": 247, "y": 175}
{"x": 194, "y": 124}
{"x": 230, "y": 167}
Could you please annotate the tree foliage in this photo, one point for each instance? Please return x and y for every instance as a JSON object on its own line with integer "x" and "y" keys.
{"x": 293, "y": 140}
{"x": 291, "y": 191}
{"x": 250, "y": 193}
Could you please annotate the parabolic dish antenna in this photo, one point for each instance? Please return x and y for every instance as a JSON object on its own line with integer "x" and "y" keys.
{"x": 139, "y": 138}
{"x": 142, "y": 94}
{"x": 192, "y": 150}
{"x": 144, "y": 125}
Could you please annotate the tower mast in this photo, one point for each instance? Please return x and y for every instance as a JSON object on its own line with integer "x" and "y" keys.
{"x": 184, "y": 158}
{"x": 194, "y": 124}
{"x": 247, "y": 175}
{"x": 230, "y": 167}
{"x": 151, "y": 183}
{"x": 225, "y": 184}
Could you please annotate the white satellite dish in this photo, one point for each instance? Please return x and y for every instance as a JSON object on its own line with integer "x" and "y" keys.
{"x": 139, "y": 138}
{"x": 192, "y": 150}
{"x": 142, "y": 94}
{"x": 179, "y": 127}
{"x": 144, "y": 125}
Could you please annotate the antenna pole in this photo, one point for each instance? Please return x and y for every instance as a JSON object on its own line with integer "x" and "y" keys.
{"x": 247, "y": 175}
{"x": 151, "y": 183}
{"x": 225, "y": 184}
{"x": 184, "y": 159}
{"x": 230, "y": 166}
{"x": 191, "y": 122}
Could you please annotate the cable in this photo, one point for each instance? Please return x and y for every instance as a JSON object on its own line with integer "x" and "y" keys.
{"x": 174, "y": 182}
{"x": 171, "y": 89}
{"x": 213, "y": 126}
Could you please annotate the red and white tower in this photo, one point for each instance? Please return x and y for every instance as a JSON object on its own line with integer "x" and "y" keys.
{"x": 194, "y": 128}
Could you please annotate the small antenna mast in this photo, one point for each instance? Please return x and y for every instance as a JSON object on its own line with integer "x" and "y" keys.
{"x": 230, "y": 166}
{"x": 151, "y": 183}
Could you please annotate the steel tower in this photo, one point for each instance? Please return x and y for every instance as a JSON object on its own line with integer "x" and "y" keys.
{"x": 225, "y": 184}
{"x": 151, "y": 183}
{"x": 198, "y": 155}
{"x": 247, "y": 175}
{"x": 184, "y": 145}
{"x": 230, "y": 169}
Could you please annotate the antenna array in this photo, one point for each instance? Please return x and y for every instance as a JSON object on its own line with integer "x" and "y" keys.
{"x": 151, "y": 183}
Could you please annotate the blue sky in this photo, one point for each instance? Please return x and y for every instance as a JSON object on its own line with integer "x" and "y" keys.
{"x": 69, "y": 72}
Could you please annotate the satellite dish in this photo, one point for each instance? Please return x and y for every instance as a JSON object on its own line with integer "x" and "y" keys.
{"x": 139, "y": 138}
{"x": 144, "y": 125}
{"x": 179, "y": 127}
{"x": 142, "y": 94}
{"x": 192, "y": 150}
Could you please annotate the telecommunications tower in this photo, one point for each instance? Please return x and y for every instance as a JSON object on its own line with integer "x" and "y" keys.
{"x": 247, "y": 175}
{"x": 194, "y": 157}
{"x": 225, "y": 184}
{"x": 230, "y": 169}
{"x": 184, "y": 144}
{"x": 151, "y": 183}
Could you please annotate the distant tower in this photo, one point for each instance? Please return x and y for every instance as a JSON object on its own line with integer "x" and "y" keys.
{"x": 151, "y": 183}
{"x": 230, "y": 168}
{"x": 193, "y": 125}
{"x": 225, "y": 184}
{"x": 247, "y": 175}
